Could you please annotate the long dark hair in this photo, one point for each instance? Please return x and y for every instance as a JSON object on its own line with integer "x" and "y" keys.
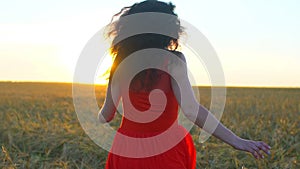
{"x": 120, "y": 50}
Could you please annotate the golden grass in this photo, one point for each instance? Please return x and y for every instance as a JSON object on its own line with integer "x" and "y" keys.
{"x": 39, "y": 128}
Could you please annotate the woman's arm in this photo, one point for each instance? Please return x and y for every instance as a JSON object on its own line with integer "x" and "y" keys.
{"x": 199, "y": 114}
{"x": 107, "y": 112}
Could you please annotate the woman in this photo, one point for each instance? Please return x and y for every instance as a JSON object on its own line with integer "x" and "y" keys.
{"x": 159, "y": 142}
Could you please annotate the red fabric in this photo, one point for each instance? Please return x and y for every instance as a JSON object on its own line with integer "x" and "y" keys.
{"x": 166, "y": 144}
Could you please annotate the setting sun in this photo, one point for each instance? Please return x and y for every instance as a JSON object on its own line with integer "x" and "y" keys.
{"x": 101, "y": 77}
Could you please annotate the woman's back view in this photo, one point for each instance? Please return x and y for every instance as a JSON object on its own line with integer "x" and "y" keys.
{"x": 160, "y": 142}
{"x": 149, "y": 136}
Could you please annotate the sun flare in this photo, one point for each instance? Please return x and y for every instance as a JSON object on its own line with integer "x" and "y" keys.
{"x": 105, "y": 64}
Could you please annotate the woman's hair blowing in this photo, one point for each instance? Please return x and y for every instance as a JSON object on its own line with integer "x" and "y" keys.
{"x": 120, "y": 50}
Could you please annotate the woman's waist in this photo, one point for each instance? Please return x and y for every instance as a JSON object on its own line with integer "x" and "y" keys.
{"x": 152, "y": 128}
{"x": 137, "y": 144}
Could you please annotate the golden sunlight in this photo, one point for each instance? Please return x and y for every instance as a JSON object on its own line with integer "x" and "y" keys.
{"x": 103, "y": 70}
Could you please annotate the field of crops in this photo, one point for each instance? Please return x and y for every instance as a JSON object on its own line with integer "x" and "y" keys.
{"x": 39, "y": 128}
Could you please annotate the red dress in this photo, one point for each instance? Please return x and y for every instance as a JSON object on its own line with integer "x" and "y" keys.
{"x": 149, "y": 136}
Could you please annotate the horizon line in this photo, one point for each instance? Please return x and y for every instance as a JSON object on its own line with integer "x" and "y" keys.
{"x": 202, "y": 85}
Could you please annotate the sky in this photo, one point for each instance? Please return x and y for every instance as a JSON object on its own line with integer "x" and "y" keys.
{"x": 257, "y": 41}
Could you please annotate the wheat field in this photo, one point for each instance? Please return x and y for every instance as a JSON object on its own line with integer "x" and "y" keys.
{"x": 39, "y": 128}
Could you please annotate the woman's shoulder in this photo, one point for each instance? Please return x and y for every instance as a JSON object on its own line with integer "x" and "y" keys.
{"x": 180, "y": 55}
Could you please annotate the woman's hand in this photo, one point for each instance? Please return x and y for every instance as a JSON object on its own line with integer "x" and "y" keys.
{"x": 253, "y": 147}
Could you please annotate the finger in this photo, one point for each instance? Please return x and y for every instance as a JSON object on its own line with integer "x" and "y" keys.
{"x": 262, "y": 146}
{"x": 254, "y": 154}
{"x": 265, "y": 145}
{"x": 256, "y": 149}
